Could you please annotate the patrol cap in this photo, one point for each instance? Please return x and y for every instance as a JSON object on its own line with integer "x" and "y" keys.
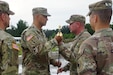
{"x": 104, "y": 4}
{"x": 74, "y": 18}
{"x": 40, "y": 10}
{"x": 4, "y": 8}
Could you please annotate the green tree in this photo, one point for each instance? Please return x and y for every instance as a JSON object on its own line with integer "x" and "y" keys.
{"x": 11, "y": 30}
{"x": 16, "y": 31}
{"x": 111, "y": 25}
{"x": 21, "y": 25}
{"x": 88, "y": 27}
{"x": 50, "y": 33}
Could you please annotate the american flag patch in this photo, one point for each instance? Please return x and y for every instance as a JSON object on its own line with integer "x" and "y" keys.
{"x": 29, "y": 37}
{"x": 15, "y": 46}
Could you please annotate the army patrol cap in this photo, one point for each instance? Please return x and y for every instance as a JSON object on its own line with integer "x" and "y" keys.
{"x": 101, "y": 5}
{"x": 4, "y": 8}
{"x": 40, "y": 10}
{"x": 76, "y": 18}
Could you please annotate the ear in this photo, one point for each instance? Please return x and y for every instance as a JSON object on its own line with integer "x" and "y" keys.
{"x": 2, "y": 17}
{"x": 95, "y": 18}
{"x": 78, "y": 24}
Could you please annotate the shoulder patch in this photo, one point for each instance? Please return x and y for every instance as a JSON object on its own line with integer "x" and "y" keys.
{"x": 29, "y": 37}
{"x": 15, "y": 46}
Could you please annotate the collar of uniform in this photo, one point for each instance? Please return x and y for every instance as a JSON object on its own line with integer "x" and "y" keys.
{"x": 104, "y": 29}
{"x": 36, "y": 28}
{"x": 39, "y": 31}
{"x": 76, "y": 37}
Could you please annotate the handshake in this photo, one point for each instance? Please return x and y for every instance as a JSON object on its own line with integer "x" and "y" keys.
{"x": 59, "y": 37}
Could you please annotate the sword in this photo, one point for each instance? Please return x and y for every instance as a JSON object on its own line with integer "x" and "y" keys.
{"x": 59, "y": 34}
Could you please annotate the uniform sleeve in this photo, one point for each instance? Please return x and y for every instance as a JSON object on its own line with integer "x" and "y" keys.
{"x": 86, "y": 62}
{"x": 68, "y": 53}
{"x": 37, "y": 45}
{"x": 65, "y": 52}
{"x": 9, "y": 56}
{"x": 66, "y": 67}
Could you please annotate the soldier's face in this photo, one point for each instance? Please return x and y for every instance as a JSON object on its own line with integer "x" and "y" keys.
{"x": 43, "y": 20}
{"x": 73, "y": 27}
{"x": 5, "y": 19}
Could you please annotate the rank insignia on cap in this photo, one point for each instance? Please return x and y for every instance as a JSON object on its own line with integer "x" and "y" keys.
{"x": 29, "y": 37}
{"x": 15, "y": 46}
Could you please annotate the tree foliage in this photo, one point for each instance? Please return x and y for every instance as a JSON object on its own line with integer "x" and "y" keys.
{"x": 88, "y": 27}
{"x": 16, "y": 31}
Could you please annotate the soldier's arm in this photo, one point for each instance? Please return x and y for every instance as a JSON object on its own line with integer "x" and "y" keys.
{"x": 9, "y": 58}
{"x": 36, "y": 45}
{"x": 65, "y": 52}
{"x": 66, "y": 67}
{"x": 86, "y": 62}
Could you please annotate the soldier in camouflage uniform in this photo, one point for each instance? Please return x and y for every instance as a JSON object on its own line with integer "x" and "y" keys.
{"x": 77, "y": 26}
{"x": 97, "y": 51}
{"x": 8, "y": 46}
{"x": 36, "y": 47}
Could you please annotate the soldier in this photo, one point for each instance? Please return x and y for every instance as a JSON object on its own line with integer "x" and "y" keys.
{"x": 36, "y": 47}
{"x": 8, "y": 46}
{"x": 97, "y": 51}
{"x": 77, "y": 26}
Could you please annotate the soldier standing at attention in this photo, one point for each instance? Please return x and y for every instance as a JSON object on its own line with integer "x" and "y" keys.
{"x": 8, "y": 46}
{"x": 97, "y": 51}
{"x": 77, "y": 26}
{"x": 36, "y": 47}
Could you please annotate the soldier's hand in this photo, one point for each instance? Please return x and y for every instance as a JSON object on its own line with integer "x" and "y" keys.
{"x": 58, "y": 63}
{"x": 59, "y": 39}
{"x": 60, "y": 70}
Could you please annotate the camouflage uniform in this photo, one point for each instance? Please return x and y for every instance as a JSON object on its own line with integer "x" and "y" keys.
{"x": 8, "y": 46}
{"x": 96, "y": 53}
{"x": 8, "y": 54}
{"x": 73, "y": 54}
{"x": 35, "y": 52}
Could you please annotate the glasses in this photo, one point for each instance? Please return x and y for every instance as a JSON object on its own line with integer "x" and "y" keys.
{"x": 5, "y": 12}
{"x": 44, "y": 16}
{"x": 71, "y": 23}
